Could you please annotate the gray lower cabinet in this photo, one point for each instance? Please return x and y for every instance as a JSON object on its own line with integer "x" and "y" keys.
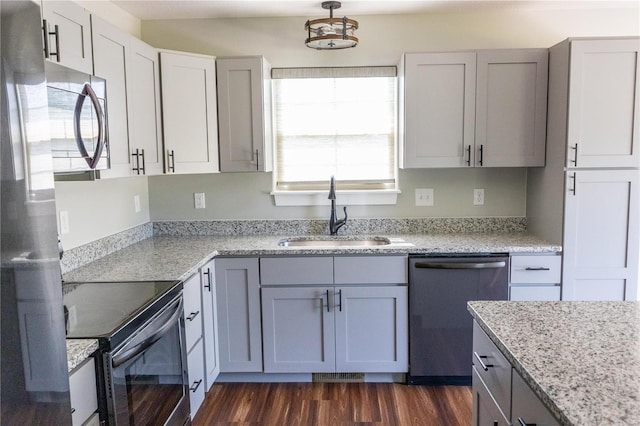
{"x": 499, "y": 393}
{"x": 238, "y": 303}
{"x": 313, "y": 325}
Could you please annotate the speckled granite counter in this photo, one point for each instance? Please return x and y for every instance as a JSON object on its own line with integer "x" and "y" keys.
{"x": 78, "y": 350}
{"x": 177, "y": 257}
{"x": 582, "y": 359}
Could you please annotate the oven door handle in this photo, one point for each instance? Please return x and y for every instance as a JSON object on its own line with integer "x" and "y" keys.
{"x": 125, "y": 354}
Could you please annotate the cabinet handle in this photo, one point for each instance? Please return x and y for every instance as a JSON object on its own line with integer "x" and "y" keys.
{"x": 257, "y": 162}
{"x": 171, "y": 161}
{"x": 47, "y": 33}
{"x": 141, "y": 169}
{"x": 328, "y": 307}
{"x": 538, "y": 268}
{"x": 469, "y": 155}
{"x": 523, "y": 423}
{"x": 137, "y": 156}
{"x": 484, "y": 366}
{"x": 340, "y": 300}
{"x": 208, "y": 274}
{"x": 481, "y": 154}
{"x": 193, "y": 315}
{"x": 575, "y": 184}
{"x": 195, "y": 385}
{"x": 575, "y": 155}
{"x": 73, "y": 410}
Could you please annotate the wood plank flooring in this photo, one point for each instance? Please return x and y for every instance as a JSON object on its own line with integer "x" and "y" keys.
{"x": 335, "y": 404}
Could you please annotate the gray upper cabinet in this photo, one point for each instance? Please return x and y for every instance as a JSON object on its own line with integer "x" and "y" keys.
{"x": 439, "y": 109}
{"x": 511, "y": 108}
{"x": 603, "y": 128}
{"x": 473, "y": 109}
{"x": 143, "y": 96}
{"x": 70, "y": 43}
{"x": 189, "y": 114}
{"x": 238, "y": 304}
{"x": 244, "y": 114}
{"x": 110, "y": 60}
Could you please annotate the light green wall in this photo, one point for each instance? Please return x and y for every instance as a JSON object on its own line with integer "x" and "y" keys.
{"x": 246, "y": 196}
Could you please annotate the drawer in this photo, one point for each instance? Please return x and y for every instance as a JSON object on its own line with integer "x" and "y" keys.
{"x": 527, "y": 407}
{"x": 541, "y": 293}
{"x": 497, "y": 374}
{"x": 485, "y": 410}
{"x": 82, "y": 387}
{"x": 192, "y": 310}
{"x": 370, "y": 269}
{"x": 536, "y": 269}
{"x": 195, "y": 368}
{"x": 296, "y": 270}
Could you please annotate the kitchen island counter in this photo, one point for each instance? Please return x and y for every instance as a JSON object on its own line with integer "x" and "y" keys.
{"x": 178, "y": 257}
{"x": 582, "y": 359}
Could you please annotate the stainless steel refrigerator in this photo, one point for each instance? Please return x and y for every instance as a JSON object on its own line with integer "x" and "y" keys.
{"x": 34, "y": 379}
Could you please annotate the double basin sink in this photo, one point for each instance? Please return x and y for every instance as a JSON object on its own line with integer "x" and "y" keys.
{"x": 333, "y": 242}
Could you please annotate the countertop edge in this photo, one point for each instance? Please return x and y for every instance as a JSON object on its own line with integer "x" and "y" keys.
{"x": 78, "y": 350}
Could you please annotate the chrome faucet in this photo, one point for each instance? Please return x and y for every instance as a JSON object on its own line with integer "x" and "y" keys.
{"x": 334, "y": 222}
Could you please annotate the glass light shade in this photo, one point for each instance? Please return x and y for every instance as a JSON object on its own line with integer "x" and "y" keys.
{"x": 331, "y": 33}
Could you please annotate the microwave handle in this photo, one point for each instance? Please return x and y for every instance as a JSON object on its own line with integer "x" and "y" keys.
{"x": 92, "y": 161}
{"x": 126, "y": 353}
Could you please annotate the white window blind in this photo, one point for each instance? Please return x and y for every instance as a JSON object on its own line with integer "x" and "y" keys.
{"x": 335, "y": 121}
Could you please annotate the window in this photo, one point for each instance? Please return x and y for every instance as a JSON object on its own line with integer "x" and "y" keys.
{"x": 335, "y": 122}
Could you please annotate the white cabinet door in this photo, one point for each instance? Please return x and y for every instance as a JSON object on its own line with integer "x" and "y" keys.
{"x": 70, "y": 45}
{"x": 511, "y": 108}
{"x": 244, "y": 87}
{"x": 83, "y": 392}
{"x": 110, "y": 61}
{"x": 439, "y": 109}
{"x": 189, "y": 112}
{"x": 604, "y": 99}
{"x": 372, "y": 329}
{"x": 143, "y": 95}
{"x": 239, "y": 330}
{"x": 209, "y": 324}
{"x": 526, "y": 407}
{"x": 298, "y": 330}
{"x": 601, "y": 236}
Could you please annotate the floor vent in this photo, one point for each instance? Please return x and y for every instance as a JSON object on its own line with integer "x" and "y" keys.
{"x": 338, "y": 377}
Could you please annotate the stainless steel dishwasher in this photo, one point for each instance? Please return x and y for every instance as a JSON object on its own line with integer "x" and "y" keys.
{"x": 440, "y": 327}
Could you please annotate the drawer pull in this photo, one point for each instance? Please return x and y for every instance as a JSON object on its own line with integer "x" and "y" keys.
{"x": 193, "y": 315}
{"x": 73, "y": 410}
{"x": 484, "y": 366}
{"x": 523, "y": 423}
{"x": 195, "y": 386}
{"x": 540, "y": 268}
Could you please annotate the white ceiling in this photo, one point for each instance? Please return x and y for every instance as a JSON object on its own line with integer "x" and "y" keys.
{"x": 194, "y": 9}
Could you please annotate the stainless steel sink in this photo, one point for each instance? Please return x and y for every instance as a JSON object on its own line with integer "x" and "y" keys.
{"x": 333, "y": 242}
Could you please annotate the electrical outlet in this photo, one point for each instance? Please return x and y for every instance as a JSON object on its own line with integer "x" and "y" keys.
{"x": 424, "y": 196}
{"x": 198, "y": 200}
{"x": 64, "y": 222}
{"x": 478, "y": 197}
{"x": 136, "y": 203}
{"x": 73, "y": 316}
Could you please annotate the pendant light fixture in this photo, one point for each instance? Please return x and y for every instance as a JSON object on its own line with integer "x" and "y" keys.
{"x": 331, "y": 33}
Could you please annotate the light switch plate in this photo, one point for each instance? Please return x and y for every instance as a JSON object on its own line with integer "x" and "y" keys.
{"x": 198, "y": 200}
{"x": 424, "y": 196}
{"x": 64, "y": 222}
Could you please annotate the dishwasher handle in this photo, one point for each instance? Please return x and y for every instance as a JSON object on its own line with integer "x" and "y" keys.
{"x": 461, "y": 265}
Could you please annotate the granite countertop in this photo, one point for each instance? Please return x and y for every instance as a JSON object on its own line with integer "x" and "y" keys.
{"x": 582, "y": 359}
{"x": 178, "y": 257}
{"x": 78, "y": 350}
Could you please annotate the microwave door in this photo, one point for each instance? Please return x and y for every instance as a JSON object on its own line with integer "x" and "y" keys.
{"x": 79, "y": 121}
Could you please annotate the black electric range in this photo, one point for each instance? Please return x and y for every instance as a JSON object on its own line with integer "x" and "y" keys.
{"x": 113, "y": 311}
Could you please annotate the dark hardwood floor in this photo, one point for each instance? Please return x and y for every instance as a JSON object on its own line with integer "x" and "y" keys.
{"x": 335, "y": 404}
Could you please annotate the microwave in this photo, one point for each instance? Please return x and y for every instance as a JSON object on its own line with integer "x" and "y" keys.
{"x": 77, "y": 105}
